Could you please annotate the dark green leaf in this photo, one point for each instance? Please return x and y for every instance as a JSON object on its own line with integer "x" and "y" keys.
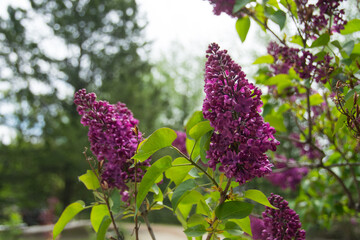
{"x": 67, "y": 215}
{"x": 197, "y": 131}
{"x": 239, "y": 4}
{"x": 340, "y": 123}
{"x": 279, "y": 17}
{"x": 90, "y": 180}
{"x": 195, "y": 231}
{"x": 336, "y": 43}
{"x": 348, "y": 47}
{"x": 321, "y": 41}
{"x": 115, "y": 200}
{"x": 351, "y": 26}
{"x": 244, "y": 223}
{"x": 258, "y": 197}
{"x": 150, "y": 177}
{"x": 161, "y": 138}
{"x": 181, "y": 191}
{"x": 233, "y": 210}
{"x": 233, "y": 228}
{"x": 242, "y": 27}
{"x": 204, "y": 146}
{"x": 196, "y": 219}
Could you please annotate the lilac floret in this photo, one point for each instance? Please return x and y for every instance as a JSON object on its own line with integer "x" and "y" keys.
{"x": 232, "y": 105}
{"x": 180, "y": 142}
{"x": 282, "y": 223}
{"x": 112, "y": 138}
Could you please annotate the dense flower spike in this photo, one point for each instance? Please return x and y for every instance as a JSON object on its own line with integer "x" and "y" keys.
{"x": 180, "y": 142}
{"x": 282, "y": 223}
{"x": 290, "y": 176}
{"x": 232, "y": 104}
{"x": 303, "y": 62}
{"x": 313, "y": 22}
{"x": 112, "y": 138}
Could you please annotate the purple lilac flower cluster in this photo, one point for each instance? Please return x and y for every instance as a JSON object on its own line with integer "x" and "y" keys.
{"x": 313, "y": 22}
{"x": 112, "y": 139}
{"x": 180, "y": 142}
{"x": 288, "y": 178}
{"x": 303, "y": 62}
{"x": 282, "y": 223}
{"x": 305, "y": 148}
{"x": 232, "y": 104}
{"x": 225, "y": 6}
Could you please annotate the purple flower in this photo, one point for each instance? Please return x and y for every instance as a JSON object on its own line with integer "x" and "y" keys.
{"x": 112, "y": 138}
{"x": 288, "y": 178}
{"x": 315, "y": 21}
{"x": 180, "y": 142}
{"x": 225, "y": 6}
{"x": 257, "y": 226}
{"x": 282, "y": 223}
{"x": 232, "y": 105}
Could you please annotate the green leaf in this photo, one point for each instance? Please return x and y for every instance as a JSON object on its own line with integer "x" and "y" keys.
{"x": 276, "y": 121}
{"x": 195, "y": 231}
{"x": 351, "y": 27}
{"x": 197, "y": 131}
{"x": 182, "y": 191}
{"x": 279, "y": 17}
{"x": 161, "y": 138}
{"x": 279, "y": 79}
{"x": 316, "y": 99}
{"x": 178, "y": 174}
{"x": 204, "y": 146}
{"x": 337, "y": 44}
{"x": 233, "y": 210}
{"x": 194, "y": 147}
{"x": 104, "y": 225}
{"x": 273, "y": 3}
{"x": 242, "y": 27}
{"x": 203, "y": 208}
{"x": 150, "y": 177}
{"x": 244, "y": 223}
{"x": 348, "y": 47}
{"x": 233, "y": 228}
{"x": 321, "y": 41}
{"x": 356, "y": 49}
{"x": 297, "y": 40}
{"x": 268, "y": 59}
{"x": 196, "y": 219}
{"x": 115, "y": 201}
{"x": 258, "y": 197}
{"x": 290, "y": 4}
{"x": 98, "y": 212}
{"x": 69, "y": 213}
{"x": 340, "y": 123}
{"x": 194, "y": 119}
{"x": 90, "y": 180}
{"x": 239, "y": 4}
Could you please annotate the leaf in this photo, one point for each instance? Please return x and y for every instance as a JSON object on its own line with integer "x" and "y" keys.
{"x": 196, "y": 219}
{"x": 340, "y": 123}
{"x": 233, "y": 210}
{"x": 316, "y": 99}
{"x": 69, "y": 213}
{"x": 279, "y": 17}
{"x": 197, "y": 131}
{"x": 348, "y": 47}
{"x": 178, "y": 174}
{"x": 297, "y": 40}
{"x": 264, "y": 59}
{"x": 181, "y": 191}
{"x": 115, "y": 200}
{"x": 233, "y": 229}
{"x": 104, "y": 225}
{"x": 321, "y": 41}
{"x": 90, "y": 180}
{"x": 194, "y": 119}
{"x": 194, "y": 147}
{"x": 204, "y": 146}
{"x": 351, "y": 27}
{"x": 273, "y": 3}
{"x": 195, "y": 231}
{"x": 98, "y": 212}
{"x": 203, "y": 208}
{"x": 279, "y": 79}
{"x": 276, "y": 121}
{"x": 242, "y": 27}
{"x": 336, "y": 43}
{"x": 244, "y": 223}
{"x": 290, "y": 4}
{"x": 258, "y": 197}
{"x": 150, "y": 177}
{"x": 239, "y": 4}
{"x": 161, "y": 138}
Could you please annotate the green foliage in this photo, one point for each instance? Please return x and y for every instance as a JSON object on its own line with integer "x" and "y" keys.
{"x": 233, "y": 210}
{"x": 242, "y": 27}
{"x": 90, "y": 180}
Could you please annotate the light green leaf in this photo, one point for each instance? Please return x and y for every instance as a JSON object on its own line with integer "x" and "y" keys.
{"x": 194, "y": 119}
{"x": 276, "y": 121}
{"x": 182, "y": 191}
{"x": 273, "y": 3}
{"x": 258, "y": 197}
{"x": 150, "y": 177}
{"x": 268, "y": 59}
{"x": 279, "y": 79}
{"x": 90, "y": 180}
{"x": 321, "y": 41}
{"x": 196, "y": 219}
{"x": 197, "y": 131}
{"x": 348, "y": 47}
{"x": 203, "y": 208}
{"x": 178, "y": 174}
{"x": 239, "y": 4}
{"x": 104, "y": 225}
{"x": 290, "y": 4}
{"x": 242, "y": 27}
{"x": 195, "y": 231}
{"x": 233, "y": 210}
{"x": 316, "y": 99}
{"x": 98, "y": 212}
{"x": 194, "y": 147}
{"x": 67, "y": 215}
{"x": 297, "y": 40}
{"x": 244, "y": 223}
{"x": 351, "y": 27}
{"x": 340, "y": 123}
{"x": 161, "y": 138}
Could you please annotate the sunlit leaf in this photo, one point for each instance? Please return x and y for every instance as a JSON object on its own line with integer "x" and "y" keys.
{"x": 182, "y": 191}
{"x": 90, "y": 180}
{"x": 268, "y": 59}
{"x": 351, "y": 27}
{"x": 98, "y": 212}
{"x": 242, "y": 27}
{"x": 258, "y": 196}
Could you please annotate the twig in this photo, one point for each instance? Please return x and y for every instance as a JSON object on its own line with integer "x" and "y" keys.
{"x": 146, "y": 220}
